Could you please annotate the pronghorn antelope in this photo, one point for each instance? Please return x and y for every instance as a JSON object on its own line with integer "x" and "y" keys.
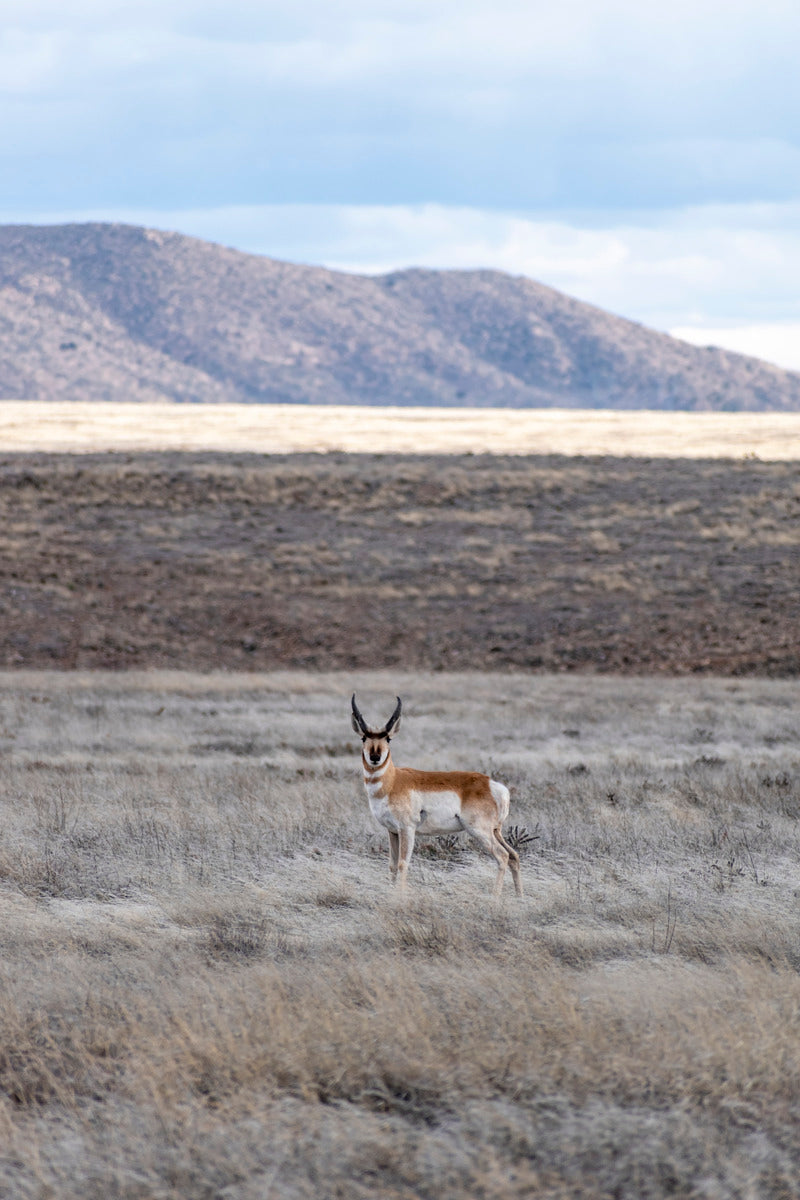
{"x": 410, "y": 802}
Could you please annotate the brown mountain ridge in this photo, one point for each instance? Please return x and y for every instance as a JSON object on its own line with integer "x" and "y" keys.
{"x": 117, "y": 312}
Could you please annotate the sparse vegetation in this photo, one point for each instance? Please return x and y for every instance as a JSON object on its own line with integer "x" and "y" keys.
{"x": 209, "y": 990}
{"x": 258, "y": 562}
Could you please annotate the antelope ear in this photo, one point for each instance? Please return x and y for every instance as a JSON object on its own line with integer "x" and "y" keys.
{"x": 355, "y": 724}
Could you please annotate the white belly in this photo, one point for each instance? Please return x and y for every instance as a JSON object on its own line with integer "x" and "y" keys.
{"x": 437, "y": 812}
{"x": 430, "y": 813}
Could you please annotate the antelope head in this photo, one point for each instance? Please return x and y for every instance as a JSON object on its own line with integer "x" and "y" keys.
{"x": 376, "y": 742}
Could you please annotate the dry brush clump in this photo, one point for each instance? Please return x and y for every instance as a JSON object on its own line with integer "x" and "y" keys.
{"x": 208, "y": 989}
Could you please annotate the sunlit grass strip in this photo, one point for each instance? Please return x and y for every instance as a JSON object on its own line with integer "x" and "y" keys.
{"x": 289, "y": 428}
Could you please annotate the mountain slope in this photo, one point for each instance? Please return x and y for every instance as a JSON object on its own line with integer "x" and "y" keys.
{"x": 114, "y": 312}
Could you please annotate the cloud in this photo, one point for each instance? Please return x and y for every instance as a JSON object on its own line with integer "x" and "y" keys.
{"x": 504, "y": 104}
{"x": 776, "y": 343}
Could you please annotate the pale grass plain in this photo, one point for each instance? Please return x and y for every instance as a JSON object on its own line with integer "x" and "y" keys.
{"x": 75, "y": 427}
{"x": 209, "y": 988}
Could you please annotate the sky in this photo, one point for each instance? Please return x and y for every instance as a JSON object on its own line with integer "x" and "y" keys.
{"x": 642, "y": 157}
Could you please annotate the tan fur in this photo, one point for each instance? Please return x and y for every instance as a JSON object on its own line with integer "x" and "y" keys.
{"x": 402, "y": 782}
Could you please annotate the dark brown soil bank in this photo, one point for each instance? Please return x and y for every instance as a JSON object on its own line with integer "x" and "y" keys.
{"x": 324, "y": 561}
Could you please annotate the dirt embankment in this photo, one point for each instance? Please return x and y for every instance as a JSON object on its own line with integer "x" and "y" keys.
{"x": 327, "y": 561}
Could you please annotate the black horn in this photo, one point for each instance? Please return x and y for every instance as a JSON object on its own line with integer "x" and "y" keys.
{"x": 394, "y": 719}
{"x": 359, "y": 724}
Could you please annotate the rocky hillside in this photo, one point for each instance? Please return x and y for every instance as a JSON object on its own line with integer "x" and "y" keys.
{"x": 114, "y": 312}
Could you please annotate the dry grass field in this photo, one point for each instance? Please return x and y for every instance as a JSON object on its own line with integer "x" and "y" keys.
{"x": 209, "y": 991}
{"x": 85, "y": 428}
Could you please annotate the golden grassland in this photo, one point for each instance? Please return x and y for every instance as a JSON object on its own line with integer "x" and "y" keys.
{"x": 209, "y": 989}
{"x": 287, "y": 428}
